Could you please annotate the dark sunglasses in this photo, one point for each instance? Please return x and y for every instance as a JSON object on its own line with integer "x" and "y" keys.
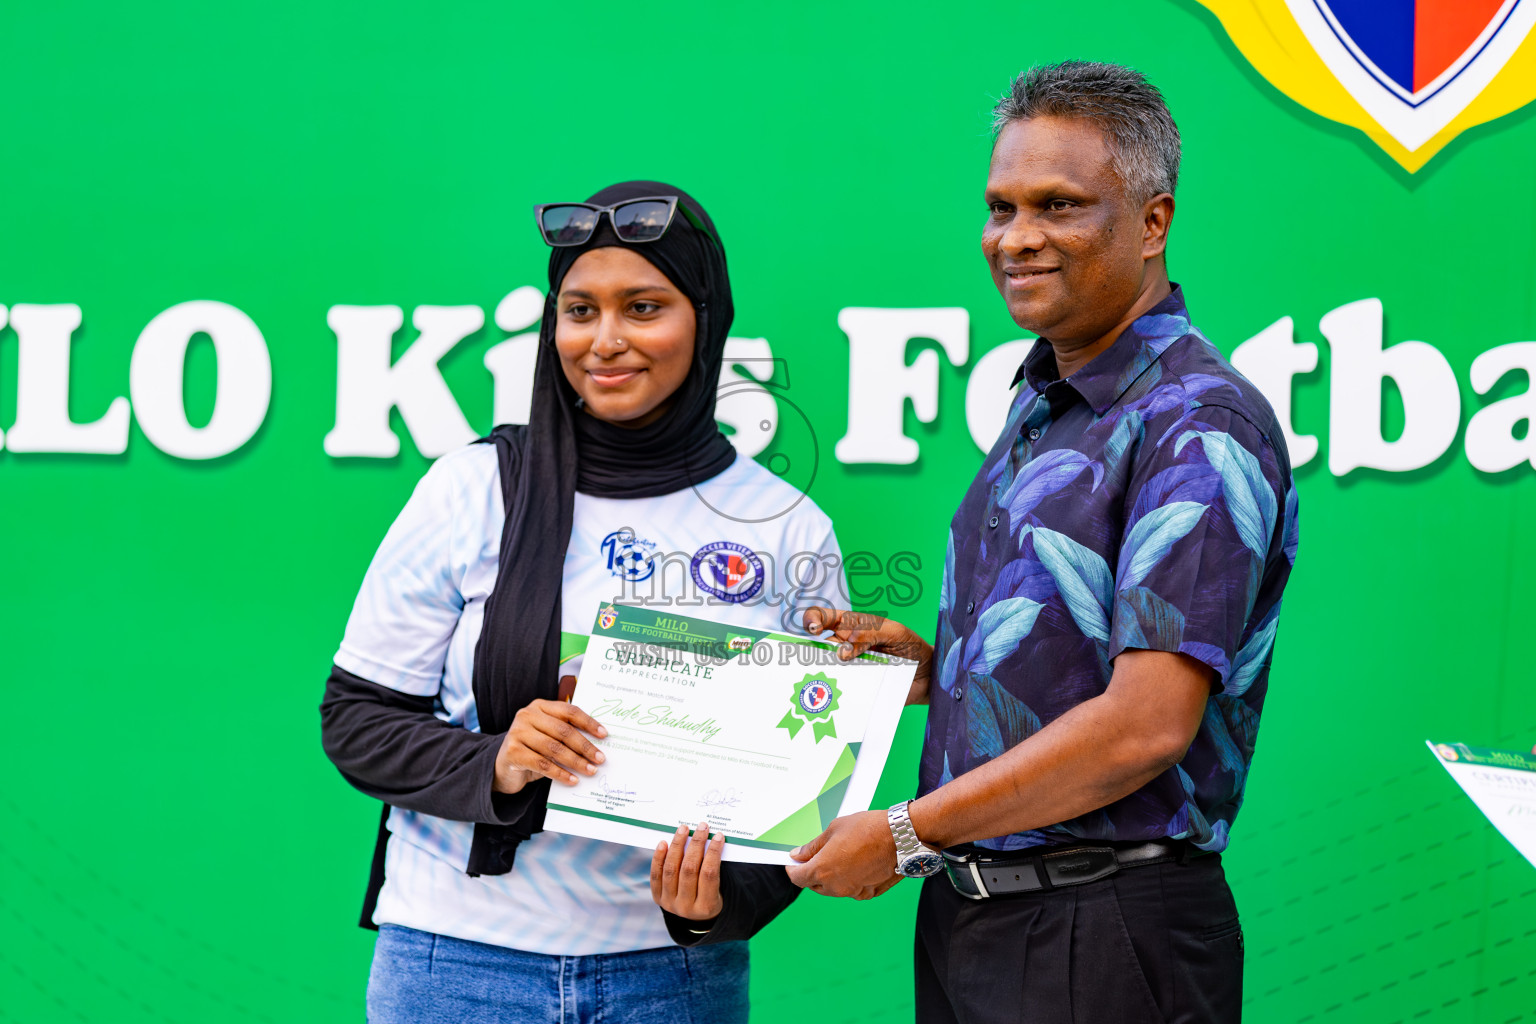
{"x": 634, "y": 220}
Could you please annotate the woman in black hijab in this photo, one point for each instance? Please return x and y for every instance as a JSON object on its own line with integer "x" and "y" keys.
{"x": 445, "y": 700}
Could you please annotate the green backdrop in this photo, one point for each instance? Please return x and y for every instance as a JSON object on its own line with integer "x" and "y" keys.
{"x": 174, "y": 847}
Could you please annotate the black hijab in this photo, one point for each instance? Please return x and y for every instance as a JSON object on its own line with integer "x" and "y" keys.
{"x": 564, "y": 450}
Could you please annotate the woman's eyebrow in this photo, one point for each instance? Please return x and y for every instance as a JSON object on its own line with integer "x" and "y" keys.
{"x": 577, "y": 293}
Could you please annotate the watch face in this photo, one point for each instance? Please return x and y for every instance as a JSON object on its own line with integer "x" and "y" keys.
{"x": 921, "y": 865}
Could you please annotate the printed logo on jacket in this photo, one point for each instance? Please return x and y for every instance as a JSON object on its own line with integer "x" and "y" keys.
{"x": 728, "y": 571}
{"x": 629, "y": 557}
{"x": 1411, "y": 74}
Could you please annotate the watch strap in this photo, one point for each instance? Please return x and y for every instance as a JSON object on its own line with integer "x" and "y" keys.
{"x": 907, "y": 843}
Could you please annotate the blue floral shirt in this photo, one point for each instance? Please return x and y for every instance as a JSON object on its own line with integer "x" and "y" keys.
{"x": 1145, "y": 502}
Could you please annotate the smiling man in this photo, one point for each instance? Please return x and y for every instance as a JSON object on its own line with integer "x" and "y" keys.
{"x": 1110, "y": 599}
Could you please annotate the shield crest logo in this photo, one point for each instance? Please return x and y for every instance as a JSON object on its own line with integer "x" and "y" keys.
{"x": 730, "y": 572}
{"x": 1411, "y": 74}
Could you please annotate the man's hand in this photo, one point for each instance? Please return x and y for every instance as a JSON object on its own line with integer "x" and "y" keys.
{"x": 855, "y": 856}
{"x": 546, "y": 741}
{"x": 685, "y": 876}
{"x": 858, "y": 632}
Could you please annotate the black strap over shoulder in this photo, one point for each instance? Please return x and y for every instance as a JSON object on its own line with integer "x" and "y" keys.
{"x": 509, "y": 440}
{"x": 495, "y": 845}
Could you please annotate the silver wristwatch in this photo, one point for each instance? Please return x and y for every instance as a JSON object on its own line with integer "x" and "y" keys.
{"x": 913, "y": 859}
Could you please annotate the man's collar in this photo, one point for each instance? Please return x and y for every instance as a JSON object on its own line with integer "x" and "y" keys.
{"x": 1107, "y": 375}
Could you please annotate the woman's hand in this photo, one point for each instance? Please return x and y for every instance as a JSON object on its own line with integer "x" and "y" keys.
{"x": 546, "y": 741}
{"x": 685, "y": 876}
{"x": 858, "y": 632}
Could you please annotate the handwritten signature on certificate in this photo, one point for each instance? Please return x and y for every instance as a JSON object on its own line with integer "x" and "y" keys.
{"x": 615, "y": 794}
{"x": 716, "y": 799}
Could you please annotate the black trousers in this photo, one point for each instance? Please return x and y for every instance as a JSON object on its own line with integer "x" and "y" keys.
{"x": 1150, "y": 945}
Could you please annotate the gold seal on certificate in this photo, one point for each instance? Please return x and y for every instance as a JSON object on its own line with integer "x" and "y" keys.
{"x": 766, "y": 736}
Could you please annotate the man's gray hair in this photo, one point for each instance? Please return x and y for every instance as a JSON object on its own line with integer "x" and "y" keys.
{"x": 1143, "y": 140}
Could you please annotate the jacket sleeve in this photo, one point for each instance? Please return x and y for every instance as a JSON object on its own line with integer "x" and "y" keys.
{"x": 391, "y": 746}
{"x": 754, "y": 895}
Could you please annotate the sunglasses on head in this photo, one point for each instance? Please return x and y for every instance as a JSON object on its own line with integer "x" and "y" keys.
{"x": 634, "y": 220}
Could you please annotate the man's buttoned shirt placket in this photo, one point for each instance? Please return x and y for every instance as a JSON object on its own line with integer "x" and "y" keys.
{"x": 995, "y": 530}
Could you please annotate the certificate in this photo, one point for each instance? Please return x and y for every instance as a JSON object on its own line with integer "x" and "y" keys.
{"x": 1503, "y": 785}
{"x": 768, "y": 737}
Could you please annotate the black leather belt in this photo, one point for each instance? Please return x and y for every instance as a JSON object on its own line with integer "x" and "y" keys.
{"x": 979, "y": 874}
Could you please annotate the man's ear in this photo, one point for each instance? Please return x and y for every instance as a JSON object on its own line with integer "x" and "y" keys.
{"x": 1156, "y": 217}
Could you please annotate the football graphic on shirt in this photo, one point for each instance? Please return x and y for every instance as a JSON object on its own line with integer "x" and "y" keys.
{"x": 730, "y": 572}
{"x": 629, "y": 557}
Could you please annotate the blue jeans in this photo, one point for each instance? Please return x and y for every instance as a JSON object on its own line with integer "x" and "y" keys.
{"x": 421, "y": 978}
